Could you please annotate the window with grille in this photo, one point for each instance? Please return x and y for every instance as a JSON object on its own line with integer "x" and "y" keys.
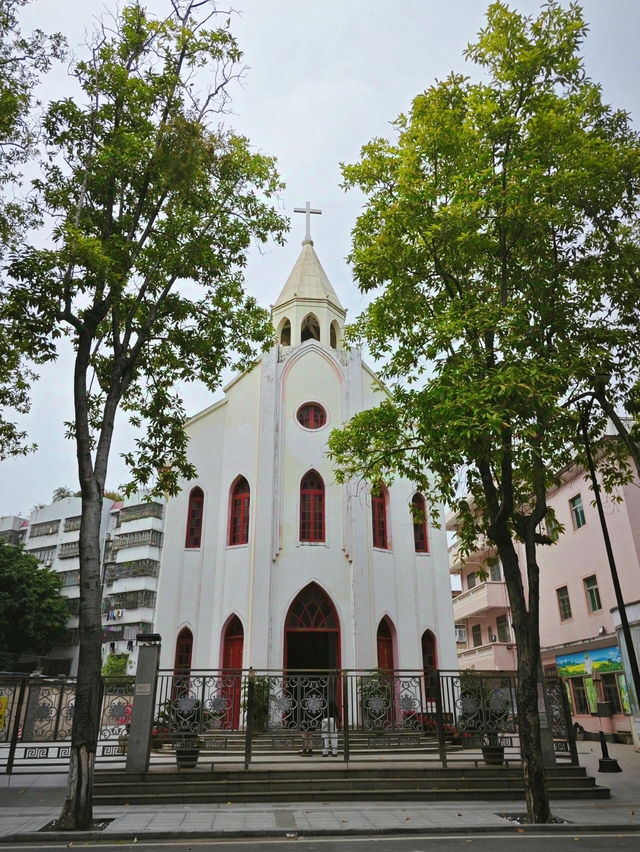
{"x": 312, "y": 507}
{"x": 502, "y": 628}
{"x": 495, "y": 573}
{"x": 471, "y": 580}
{"x": 72, "y": 524}
{"x": 379, "y": 520}
{"x": 45, "y": 528}
{"x": 577, "y": 512}
{"x": 239, "y": 522}
{"x": 610, "y": 691}
{"x": 419, "y": 511}
{"x": 312, "y": 416}
{"x": 564, "y": 605}
{"x": 593, "y": 594}
{"x": 476, "y": 635}
{"x": 194, "y": 518}
{"x": 580, "y": 701}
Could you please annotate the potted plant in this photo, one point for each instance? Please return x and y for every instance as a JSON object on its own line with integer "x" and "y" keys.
{"x": 376, "y": 694}
{"x": 487, "y": 705}
{"x": 260, "y": 717}
{"x": 187, "y": 743}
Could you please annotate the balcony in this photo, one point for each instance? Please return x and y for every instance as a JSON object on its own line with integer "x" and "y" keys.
{"x": 485, "y": 596}
{"x": 499, "y": 656}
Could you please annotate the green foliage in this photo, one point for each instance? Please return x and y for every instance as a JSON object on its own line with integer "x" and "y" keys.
{"x": 487, "y": 240}
{"x": 33, "y": 613}
{"x": 261, "y": 686}
{"x": 22, "y": 60}
{"x": 155, "y": 206}
{"x": 115, "y": 665}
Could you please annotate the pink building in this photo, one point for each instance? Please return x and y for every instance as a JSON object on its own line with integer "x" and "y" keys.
{"x": 577, "y": 632}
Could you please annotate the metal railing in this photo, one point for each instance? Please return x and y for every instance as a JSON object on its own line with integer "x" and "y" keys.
{"x": 240, "y": 716}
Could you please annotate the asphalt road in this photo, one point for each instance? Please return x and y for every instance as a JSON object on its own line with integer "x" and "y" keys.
{"x": 539, "y": 842}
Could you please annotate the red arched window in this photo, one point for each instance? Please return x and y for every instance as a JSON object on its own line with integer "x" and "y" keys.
{"x": 312, "y": 507}
{"x": 182, "y": 664}
{"x": 419, "y": 511}
{"x": 312, "y": 416}
{"x": 184, "y": 649}
{"x": 379, "y": 520}
{"x": 312, "y": 610}
{"x": 194, "y": 518}
{"x": 239, "y": 521}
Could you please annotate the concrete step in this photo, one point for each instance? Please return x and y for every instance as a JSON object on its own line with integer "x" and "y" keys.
{"x": 111, "y": 788}
{"x": 329, "y": 794}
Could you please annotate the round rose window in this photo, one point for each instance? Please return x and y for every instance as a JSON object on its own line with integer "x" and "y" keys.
{"x": 312, "y": 416}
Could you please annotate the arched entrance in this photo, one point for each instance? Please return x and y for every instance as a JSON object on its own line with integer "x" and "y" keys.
{"x": 384, "y": 641}
{"x": 429, "y": 664}
{"x": 312, "y": 632}
{"x": 232, "y": 648}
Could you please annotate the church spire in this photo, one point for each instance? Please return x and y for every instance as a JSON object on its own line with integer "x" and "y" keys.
{"x": 308, "y": 306}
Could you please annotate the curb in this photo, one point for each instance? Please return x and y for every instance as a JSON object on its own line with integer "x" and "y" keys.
{"x": 46, "y": 837}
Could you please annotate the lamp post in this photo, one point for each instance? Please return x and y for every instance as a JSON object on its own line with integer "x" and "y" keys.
{"x": 626, "y": 632}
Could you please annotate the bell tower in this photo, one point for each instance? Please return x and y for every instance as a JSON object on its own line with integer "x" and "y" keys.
{"x": 308, "y": 307}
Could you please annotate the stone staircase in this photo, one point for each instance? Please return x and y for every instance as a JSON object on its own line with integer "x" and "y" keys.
{"x": 327, "y": 782}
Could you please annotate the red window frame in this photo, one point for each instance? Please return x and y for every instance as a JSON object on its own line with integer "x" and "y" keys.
{"x": 420, "y": 534}
{"x": 194, "y": 518}
{"x": 379, "y": 521}
{"x": 312, "y": 527}
{"x": 239, "y": 518}
{"x": 312, "y": 416}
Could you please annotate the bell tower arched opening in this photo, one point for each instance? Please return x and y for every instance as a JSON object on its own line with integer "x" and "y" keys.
{"x": 310, "y": 328}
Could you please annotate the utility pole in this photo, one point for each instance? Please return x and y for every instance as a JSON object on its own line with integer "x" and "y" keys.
{"x": 626, "y": 632}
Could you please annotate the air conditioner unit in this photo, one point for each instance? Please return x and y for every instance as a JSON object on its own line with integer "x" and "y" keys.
{"x": 461, "y": 634}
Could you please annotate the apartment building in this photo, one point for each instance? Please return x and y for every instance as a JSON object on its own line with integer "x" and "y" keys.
{"x": 13, "y": 529}
{"x": 52, "y": 536}
{"x": 577, "y": 602}
{"x": 130, "y": 578}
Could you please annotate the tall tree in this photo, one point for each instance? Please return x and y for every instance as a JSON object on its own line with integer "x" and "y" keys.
{"x": 153, "y": 206}
{"x": 482, "y": 239}
{"x": 33, "y": 613}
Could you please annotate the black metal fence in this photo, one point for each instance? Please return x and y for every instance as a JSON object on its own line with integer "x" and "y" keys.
{"x": 249, "y": 716}
{"x": 36, "y": 714}
{"x": 360, "y": 714}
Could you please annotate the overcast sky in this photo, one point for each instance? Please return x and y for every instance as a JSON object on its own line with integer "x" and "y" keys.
{"x": 325, "y": 76}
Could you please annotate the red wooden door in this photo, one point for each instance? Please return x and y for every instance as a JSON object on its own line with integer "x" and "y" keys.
{"x": 385, "y": 653}
{"x": 232, "y": 675}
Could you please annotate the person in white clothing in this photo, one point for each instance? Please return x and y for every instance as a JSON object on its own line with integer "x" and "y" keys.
{"x": 330, "y": 731}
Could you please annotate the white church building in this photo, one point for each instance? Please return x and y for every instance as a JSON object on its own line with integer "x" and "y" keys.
{"x": 268, "y": 562}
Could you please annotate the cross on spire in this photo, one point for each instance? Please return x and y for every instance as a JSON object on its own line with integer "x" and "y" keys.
{"x": 308, "y": 210}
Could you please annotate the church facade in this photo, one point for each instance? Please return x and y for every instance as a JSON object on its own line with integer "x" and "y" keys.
{"x": 267, "y": 561}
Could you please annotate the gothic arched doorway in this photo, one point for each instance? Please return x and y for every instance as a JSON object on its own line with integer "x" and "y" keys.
{"x": 429, "y": 664}
{"x": 312, "y": 632}
{"x": 232, "y": 648}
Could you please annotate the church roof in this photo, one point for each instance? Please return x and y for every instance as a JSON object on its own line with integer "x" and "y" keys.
{"x": 308, "y": 280}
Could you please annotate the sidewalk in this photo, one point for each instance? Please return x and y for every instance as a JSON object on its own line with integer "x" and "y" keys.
{"x": 27, "y": 803}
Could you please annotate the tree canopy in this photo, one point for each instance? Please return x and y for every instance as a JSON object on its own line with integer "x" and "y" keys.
{"x": 494, "y": 225}
{"x": 33, "y": 613}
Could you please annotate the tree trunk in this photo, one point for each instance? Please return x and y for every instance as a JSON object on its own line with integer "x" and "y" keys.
{"x": 527, "y": 633}
{"x": 77, "y": 811}
{"x": 535, "y": 782}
